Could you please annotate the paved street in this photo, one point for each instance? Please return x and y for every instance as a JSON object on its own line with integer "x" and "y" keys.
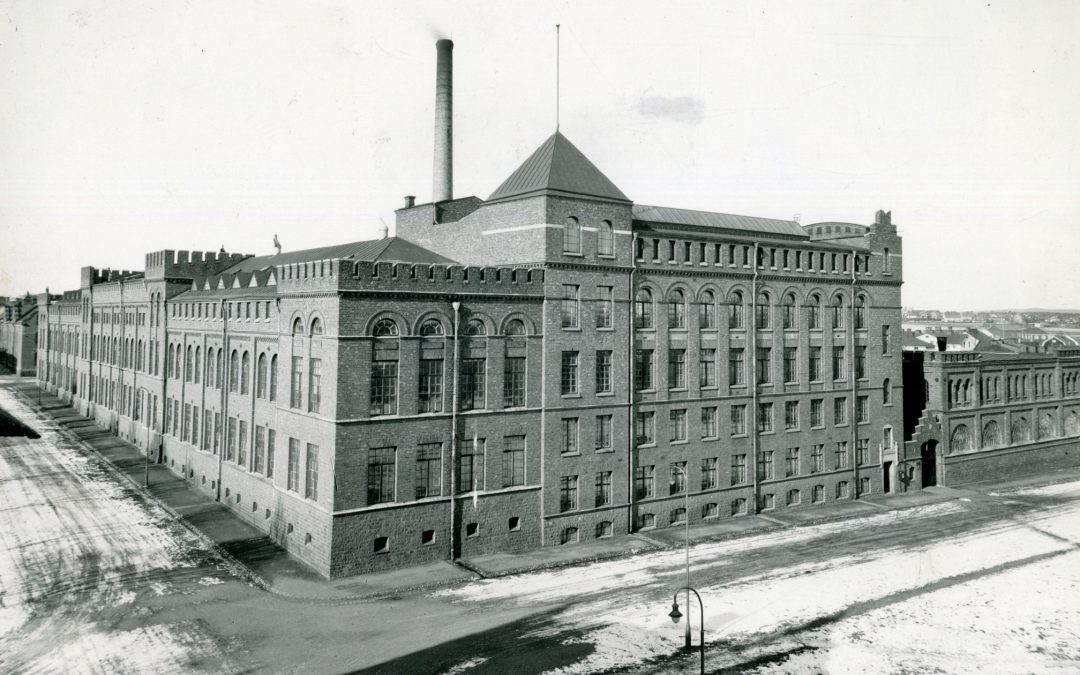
{"x": 94, "y": 577}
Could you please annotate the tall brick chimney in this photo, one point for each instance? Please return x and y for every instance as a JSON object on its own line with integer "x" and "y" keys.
{"x": 443, "y": 183}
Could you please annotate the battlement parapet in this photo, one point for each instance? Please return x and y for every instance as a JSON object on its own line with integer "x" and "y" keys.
{"x": 425, "y": 277}
{"x": 189, "y": 264}
{"x": 90, "y": 276}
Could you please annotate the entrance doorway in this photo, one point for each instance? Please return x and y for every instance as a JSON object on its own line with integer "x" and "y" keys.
{"x": 886, "y": 476}
{"x": 929, "y": 463}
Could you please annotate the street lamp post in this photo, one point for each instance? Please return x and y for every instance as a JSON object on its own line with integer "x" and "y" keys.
{"x": 675, "y": 615}
{"x": 686, "y": 520}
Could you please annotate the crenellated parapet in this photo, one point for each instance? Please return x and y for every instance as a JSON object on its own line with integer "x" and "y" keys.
{"x": 338, "y": 274}
{"x": 169, "y": 264}
{"x": 91, "y": 276}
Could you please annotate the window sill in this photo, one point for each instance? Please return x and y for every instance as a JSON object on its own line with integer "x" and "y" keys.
{"x": 650, "y": 444}
{"x": 681, "y": 441}
{"x": 606, "y": 256}
{"x": 605, "y": 394}
{"x": 604, "y": 451}
{"x": 571, "y": 329}
{"x": 570, "y": 454}
{"x": 573, "y": 395}
{"x": 710, "y": 438}
{"x": 573, "y": 254}
{"x": 743, "y": 435}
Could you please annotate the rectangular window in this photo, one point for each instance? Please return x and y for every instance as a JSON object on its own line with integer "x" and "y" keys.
{"x": 569, "y": 373}
{"x": 513, "y": 461}
{"x": 380, "y": 473}
{"x": 296, "y": 393}
{"x": 241, "y": 444}
{"x": 603, "y": 372}
{"x": 708, "y": 367}
{"x": 677, "y": 482}
{"x": 764, "y": 365}
{"x": 791, "y": 415}
{"x": 470, "y": 472}
{"x": 840, "y": 410}
{"x": 678, "y": 425}
{"x": 603, "y": 489}
{"x": 217, "y": 433}
{"x": 644, "y": 482}
{"x": 428, "y": 470}
{"x": 677, "y": 369}
{"x": 514, "y": 382}
{"x": 842, "y": 490}
{"x": 208, "y": 430}
{"x": 315, "y": 385}
{"x": 258, "y": 460}
{"x": 195, "y": 426}
{"x": 293, "y": 482}
{"x": 603, "y": 432}
{"x": 817, "y": 458}
{"x": 791, "y": 462}
{"x": 708, "y": 473}
{"x": 384, "y": 378}
{"x": 738, "y": 419}
{"x": 864, "y": 485}
{"x": 862, "y": 412}
{"x": 765, "y": 417}
{"x": 570, "y": 435}
{"x": 472, "y": 384}
{"x": 230, "y": 442}
{"x": 791, "y": 364}
{"x": 815, "y": 364}
{"x": 271, "y": 451}
{"x": 765, "y": 470}
{"x": 567, "y": 494}
{"x": 736, "y": 367}
{"x": 841, "y": 454}
{"x": 738, "y": 469}
{"x": 708, "y": 422}
{"x": 643, "y": 369}
{"x": 860, "y": 362}
{"x": 816, "y": 417}
{"x": 186, "y": 424}
{"x": 569, "y": 312}
{"x": 862, "y": 452}
{"x": 838, "y": 363}
{"x": 645, "y": 427}
{"x": 604, "y": 306}
{"x": 886, "y": 340}
{"x": 311, "y": 473}
{"x": 430, "y": 386}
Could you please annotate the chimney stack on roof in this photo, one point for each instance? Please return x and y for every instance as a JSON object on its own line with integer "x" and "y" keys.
{"x": 443, "y": 177}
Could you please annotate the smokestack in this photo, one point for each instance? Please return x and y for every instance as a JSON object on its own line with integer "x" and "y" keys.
{"x": 443, "y": 184}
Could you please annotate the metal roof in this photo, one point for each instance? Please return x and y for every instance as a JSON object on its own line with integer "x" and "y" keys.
{"x": 392, "y": 249}
{"x": 727, "y": 221}
{"x": 558, "y": 166}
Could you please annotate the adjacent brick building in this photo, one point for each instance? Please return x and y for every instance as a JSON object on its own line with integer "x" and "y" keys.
{"x": 18, "y": 335}
{"x": 551, "y": 365}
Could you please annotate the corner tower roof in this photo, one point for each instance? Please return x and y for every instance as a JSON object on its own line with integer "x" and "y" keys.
{"x": 560, "y": 168}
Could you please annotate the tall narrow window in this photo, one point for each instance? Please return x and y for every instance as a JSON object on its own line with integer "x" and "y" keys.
{"x": 428, "y": 470}
{"x": 886, "y": 339}
{"x": 764, "y": 365}
{"x": 788, "y": 312}
{"x": 260, "y": 377}
{"x": 764, "y": 311}
{"x": 603, "y": 433}
{"x": 470, "y": 472}
{"x": 736, "y": 367}
{"x": 707, "y": 310}
{"x": 860, "y": 313}
{"x": 380, "y": 481}
{"x": 569, "y": 313}
{"x": 472, "y": 392}
{"x": 677, "y": 369}
{"x": 643, "y": 309}
{"x": 603, "y": 371}
{"x": 886, "y": 392}
{"x": 838, "y": 312}
{"x": 273, "y": 376}
{"x": 676, "y": 310}
{"x": 838, "y": 363}
{"x": 513, "y": 461}
{"x": 245, "y": 372}
{"x": 297, "y": 381}
{"x": 514, "y": 382}
{"x": 860, "y": 362}
{"x": 791, "y": 364}
{"x": 643, "y": 369}
{"x": 429, "y": 386}
{"x": 813, "y": 312}
{"x": 569, "y": 373}
{"x": 709, "y": 473}
{"x": 605, "y": 244}
{"x": 570, "y": 436}
{"x": 572, "y": 236}
{"x": 708, "y": 422}
{"x": 708, "y": 367}
{"x": 568, "y": 493}
{"x": 384, "y": 379}
{"x": 604, "y": 306}
{"x": 234, "y": 372}
{"x": 315, "y": 385}
{"x": 603, "y": 489}
{"x": 735, "y": 305}
{"x": 311, "y": 473}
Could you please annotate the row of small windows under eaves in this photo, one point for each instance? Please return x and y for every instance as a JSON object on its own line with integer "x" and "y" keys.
{"x": 574, "y": 234}
{"x": 679, "y": 252}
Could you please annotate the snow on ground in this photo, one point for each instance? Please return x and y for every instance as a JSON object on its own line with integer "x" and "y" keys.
{"x": 76, "y": 550}
{"x": 1072, "y": 488}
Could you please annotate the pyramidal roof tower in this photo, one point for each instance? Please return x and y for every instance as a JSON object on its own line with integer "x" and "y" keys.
{"x": 557, "y": 167}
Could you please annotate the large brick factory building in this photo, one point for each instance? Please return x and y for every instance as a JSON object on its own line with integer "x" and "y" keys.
{"x": 551, "y": 365}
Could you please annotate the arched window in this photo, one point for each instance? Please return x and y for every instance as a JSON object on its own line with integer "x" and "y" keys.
{"x": 991, "y": 435}
{"x": 298, "y": 326}
{"x": 735, "y": 305}
{"x": 273, "y": 376}
{"x": 260, "y": 377}
{"x": 475, "y": 327}
{"x": 384, "y": 328}
{"x": 169, "y": 362}
{"x": 234, "y": 371}
{"x": 838, "y": 312}
{"x": 219, "y": 367}
{"x": 813, "y": 312}
{"x": 676, "y": 310}
{"x": 515, "y": 327}
{"x": 789, "y": 317}
{"x": 572, "y": 236}
{"x": 707, "y": 310}
{"x": 860, "y": 313}
{"x": 960, "y": 440}
{"x": 198, "y": 363}
{"x": 605, "y": 239}
{"x": 886, "y": 392}
{"x": 431, "y": 327}
{"x": 1021, "y": 430}
{"x": 187, "y": 363}
{"x": 316, "y": 326}
{"x": 245, "y": 373}
{"x": 569, "y": 535}
{"x": 763, "y": 315}
{"x": 210, "y": 366}
{"x": 643, "y": 309}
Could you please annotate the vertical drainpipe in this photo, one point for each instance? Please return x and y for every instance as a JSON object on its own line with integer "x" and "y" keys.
{"x": 223, "y": 382}
{"x": 163, "y": 317}
{"x": 123, "y": 340}
{"x": 631, "y": 442}
{"x": 453, "y": 430}
{"x": 543, "y": 412}
{"x": 90, "y": 354}
{"x": 854, "y": 390}
{"x": 754, "y": 380}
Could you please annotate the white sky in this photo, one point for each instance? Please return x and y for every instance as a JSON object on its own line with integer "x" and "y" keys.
{"x": 128, "y": 127}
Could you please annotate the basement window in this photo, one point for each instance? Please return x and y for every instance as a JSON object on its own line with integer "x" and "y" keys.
{"x": 514, "y": 524}
{"x": 427, "y": 537}
{"x": 382, "y": 544}
{"x": 472, "y": 530}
